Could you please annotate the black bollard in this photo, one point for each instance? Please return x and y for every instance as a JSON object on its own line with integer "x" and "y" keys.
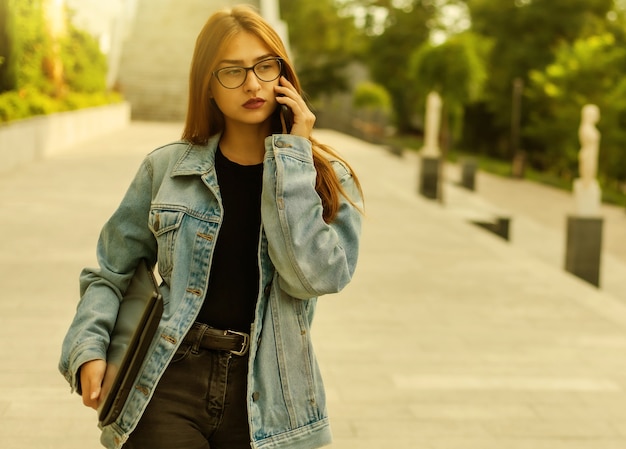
{"x": 429, "y": 177}
{"x": 584, "y": 248}
{"x": 468, "y": 173}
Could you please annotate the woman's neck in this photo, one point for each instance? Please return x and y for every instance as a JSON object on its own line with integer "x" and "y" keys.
{"x": 244, "y": 145}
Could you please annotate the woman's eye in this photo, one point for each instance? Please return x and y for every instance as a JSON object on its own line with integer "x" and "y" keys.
{"x": 234, "y": 72}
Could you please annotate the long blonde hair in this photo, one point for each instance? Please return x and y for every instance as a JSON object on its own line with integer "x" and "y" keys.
{"x": 204, "y": 119}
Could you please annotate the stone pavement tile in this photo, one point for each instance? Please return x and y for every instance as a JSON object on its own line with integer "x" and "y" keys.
{"x": 529, "y": 443}
{"x": 550, "y": 206}
{"x": 609, "y": 404}
{"x": 571, "y": 429}
{"x": 45, "y": 417}
{"x": 539, "y": 218}
{"x": 382, "y": 440}
{"x": 486, "y": 411}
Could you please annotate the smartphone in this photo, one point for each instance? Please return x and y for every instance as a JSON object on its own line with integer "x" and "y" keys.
{"x": 286, "y": 118}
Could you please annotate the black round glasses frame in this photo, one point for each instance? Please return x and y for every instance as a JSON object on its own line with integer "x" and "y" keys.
{"x": 252, "y": 68}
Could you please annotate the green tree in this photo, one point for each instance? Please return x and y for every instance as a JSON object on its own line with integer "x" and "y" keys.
{"x": 455, "y": 70}
{"x": 525, "y": 34}
{"x": 406, "y": 29}
{"x": 41, "y": 74}
{"x": 323, "y": 44}
{"x": 372, "y": 104}
{"x": 31, "y": 44}
{"x": 8, "y": 64}
{"x": 85, "y": 66}
{"x": 371, "y": 96}
{"x": 590, "y": 70}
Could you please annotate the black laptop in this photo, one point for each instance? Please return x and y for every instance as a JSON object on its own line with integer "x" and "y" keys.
{"x": 137, "y": 322}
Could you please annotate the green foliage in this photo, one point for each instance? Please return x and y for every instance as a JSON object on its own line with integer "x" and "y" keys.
{"x": 32, "y": 44}
{"x": 371, "y": 96}
{"x": 525, "y": 35}
{"x": 84, "y": 65}
{"x": 454, "y": 69}
{"x": 30, "y": 80}
{"x": 28, "y": 102}
{"x": 25, "y": 103}
{"x": 8, "y": 64}
{"x": 588, "y": 71}
{"x": 323, "y": 44}
{"x": 566, "y": 52}
{"x": 389, "y": 53}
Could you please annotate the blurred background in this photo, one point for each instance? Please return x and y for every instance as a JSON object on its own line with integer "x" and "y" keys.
{"x": 513, "y": 74}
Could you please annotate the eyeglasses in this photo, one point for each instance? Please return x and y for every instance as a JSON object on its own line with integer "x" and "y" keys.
{"x": 234, "y": 77}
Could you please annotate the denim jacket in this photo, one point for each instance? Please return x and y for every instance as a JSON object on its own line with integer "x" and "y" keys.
{"x": 171, "y": 215}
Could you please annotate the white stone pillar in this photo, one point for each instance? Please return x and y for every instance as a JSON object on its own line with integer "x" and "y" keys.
{"x": 432, "y": 125}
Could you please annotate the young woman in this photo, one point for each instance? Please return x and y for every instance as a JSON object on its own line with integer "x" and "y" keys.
{"x": 249, "y": 224}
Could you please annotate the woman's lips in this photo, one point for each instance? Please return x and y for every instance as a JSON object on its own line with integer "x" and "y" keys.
{"x": 254, "y": 103}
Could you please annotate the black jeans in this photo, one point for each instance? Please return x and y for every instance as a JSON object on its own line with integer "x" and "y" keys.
{"x": 200, "y": 403}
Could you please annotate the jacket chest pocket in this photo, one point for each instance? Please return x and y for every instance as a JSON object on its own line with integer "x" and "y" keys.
{"x": 165, "y": 225}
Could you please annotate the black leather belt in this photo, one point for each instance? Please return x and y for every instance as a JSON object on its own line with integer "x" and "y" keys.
{"x": 206, "y": 337}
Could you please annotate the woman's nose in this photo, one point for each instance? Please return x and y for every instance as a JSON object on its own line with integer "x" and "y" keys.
{"x": 252, "y": 82}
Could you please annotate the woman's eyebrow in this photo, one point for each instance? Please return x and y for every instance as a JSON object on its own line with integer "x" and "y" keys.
{"x": 240, "y": 61}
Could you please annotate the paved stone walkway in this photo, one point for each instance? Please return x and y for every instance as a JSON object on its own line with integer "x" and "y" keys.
{"x": 448, "y": 337}
{"x": 539, "y": 214}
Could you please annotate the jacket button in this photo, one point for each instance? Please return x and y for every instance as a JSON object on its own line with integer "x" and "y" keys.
{"x": 255, "y": 396}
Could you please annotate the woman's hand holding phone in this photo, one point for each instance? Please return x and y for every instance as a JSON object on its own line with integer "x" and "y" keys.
{"x": 301, "y": 116}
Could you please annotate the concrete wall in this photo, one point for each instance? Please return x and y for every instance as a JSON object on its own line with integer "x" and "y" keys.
{"x": 24, "y": 141}
{"x": 156, "y": 55}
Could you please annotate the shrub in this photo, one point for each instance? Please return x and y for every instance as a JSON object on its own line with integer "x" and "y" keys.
{"x": 31, "y": 79}
{"x": 84, "y": 65}
{"x": 28, "y": 102}
{"x": 371, "y": 96}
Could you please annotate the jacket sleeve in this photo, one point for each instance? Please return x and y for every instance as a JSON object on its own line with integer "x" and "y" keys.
{"x": 124, "y": 240}
{"x": 312, "y": 257}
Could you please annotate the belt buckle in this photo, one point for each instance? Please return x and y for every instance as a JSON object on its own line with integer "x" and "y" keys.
{"x": 244, "y": 346}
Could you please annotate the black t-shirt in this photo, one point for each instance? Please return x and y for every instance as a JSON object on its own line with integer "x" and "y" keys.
{"x": 234, "y": 279}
